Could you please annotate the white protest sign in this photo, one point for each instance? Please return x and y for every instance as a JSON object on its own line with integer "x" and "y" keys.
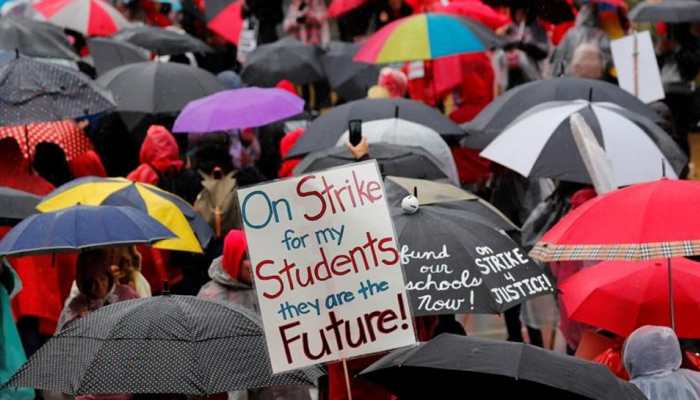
{"x": 326, "y": 267}
{"x": 637, "y": 69}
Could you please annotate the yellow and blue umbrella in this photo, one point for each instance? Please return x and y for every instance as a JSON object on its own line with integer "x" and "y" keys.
{"x": 425, "y": 37}
{"x": 191, "y": 231}
{"x": 80, "y": 228}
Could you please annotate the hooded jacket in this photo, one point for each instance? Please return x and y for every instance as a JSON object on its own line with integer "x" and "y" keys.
{"x": 159, "y": 155}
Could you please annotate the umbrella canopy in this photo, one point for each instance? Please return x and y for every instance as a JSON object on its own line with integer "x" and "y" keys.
{"x": 540, "y": 144}
{"x": 89, "y": 17}
{"x": 80, "y": 228}
{"x": 108, "y": 53}
{"x": 348, "y": 78}
{"x": 158, "y": 87}
{"x": 224, "y": 17}
{"x": 393, "y": 159}
{"x": 162, "y": 41}
{"x": 621, "y": 296}
{"x": 237, "y": 109}
{"x": 446, "y": 196}
{"x": 182, "y": 344}
{"x": 192, "y": 233}
{"x": 339, "y": 7}
{"x": 455, "y": 263}
{"x": 503, "y": 110}
{"x": 426, "y": 37}
{"x": 499, "y": 368}
{"x": 671, "y": 11}
{"x": 33, "y": 91}
{"x": 401, "y": 132}
{"x": 324, "y": 131}
{"x": 284, "y": 59}
{"x": 640, "y": 222}
{"x": 475, "y": 10}
{"x": 65, "y": 134}
{"x": 34, "y": 38}
{"x": 17, "y": 204}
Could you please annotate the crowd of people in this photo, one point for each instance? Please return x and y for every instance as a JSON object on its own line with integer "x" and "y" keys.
{"x": 60, "y": 288}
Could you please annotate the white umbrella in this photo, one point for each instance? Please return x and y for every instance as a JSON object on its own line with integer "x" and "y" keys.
{"x": 406, "y": 133}
{"x": 540, "y": 144}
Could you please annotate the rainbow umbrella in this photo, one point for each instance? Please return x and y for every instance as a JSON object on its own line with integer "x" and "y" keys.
{"x": 426, "y": 37}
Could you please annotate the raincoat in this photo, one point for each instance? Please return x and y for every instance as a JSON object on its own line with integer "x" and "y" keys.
{"x": 11, "y": 351}
{"x": 652, "y": 355}
{"x": 286, "y": 144}
{"x": 16, "y": 171}
{"x": 225, "y": 286}
{"x": 159, "y": 155}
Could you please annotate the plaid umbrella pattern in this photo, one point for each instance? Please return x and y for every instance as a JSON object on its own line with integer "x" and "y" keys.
{"x": 181, "y": 344}
{"x": 34, "y": 91}
{"x": 65, "y": 134}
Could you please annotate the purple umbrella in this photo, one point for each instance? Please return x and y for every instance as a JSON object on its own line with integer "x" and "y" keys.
{"x": 237, "y": 109}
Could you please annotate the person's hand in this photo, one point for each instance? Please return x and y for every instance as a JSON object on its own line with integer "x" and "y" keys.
{"x": 361, "y": 150}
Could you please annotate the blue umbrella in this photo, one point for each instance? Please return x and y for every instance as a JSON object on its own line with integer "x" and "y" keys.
{"x": 82, "y": 227}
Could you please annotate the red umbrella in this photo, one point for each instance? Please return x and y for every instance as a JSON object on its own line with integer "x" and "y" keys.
{"x": 621, "y": 296}
{"x": 89, "y": 17}
{"x": 475, "y": 10}
{"x": 65, "y": 134}
{"x": 660, "y": 219}
{"x": 224, "y": 18}
{"x": 340, "y": 7}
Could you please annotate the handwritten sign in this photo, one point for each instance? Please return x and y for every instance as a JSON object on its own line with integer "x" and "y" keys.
{"x": 449, "y": 281}
{"x": 326, "y": 266}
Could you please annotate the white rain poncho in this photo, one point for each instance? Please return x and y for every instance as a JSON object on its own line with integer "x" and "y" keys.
{"x": 652, "y": 356}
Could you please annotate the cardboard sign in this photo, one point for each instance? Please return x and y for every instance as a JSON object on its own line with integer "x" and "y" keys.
{"x": 637, "y": 69}
{"x": 326, "y": 266}
{"x": 447, "y": 281}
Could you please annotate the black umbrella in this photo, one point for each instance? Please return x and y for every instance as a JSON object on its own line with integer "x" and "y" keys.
{"x": 503, "y": 110}
{"x": 162, "y": 41}
{"x": 325, "y": 131}
{"x": 446, "y": 365}
{"x": 158, "y": 87}
{"x": 34, "y": 91}
{"x": 455, "y": 263}
{"x": 164, "y": 344}
{"x": 17, "y": 204}
{"x": 34, "y": 38}
{"x": 285, "y": 59}
{"x": 348, "y": 78}
{"x": 408, "y": 161}
{"x": 445, "y": 196}
{"x": 109, "y": 53}
{"x": 555, "y": 11}
{"x": 672, "y": 11}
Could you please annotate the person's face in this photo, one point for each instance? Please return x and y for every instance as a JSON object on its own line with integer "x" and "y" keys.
{"x": 245, "y": 274}
{"x": 100, "y": 286}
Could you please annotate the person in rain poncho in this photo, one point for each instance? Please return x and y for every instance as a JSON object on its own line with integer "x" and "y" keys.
{"x": 231, "y": 282}
{"x": 652, "y": 356}
{"x": 159, "y": 157}
{"x": 96, "y": 287}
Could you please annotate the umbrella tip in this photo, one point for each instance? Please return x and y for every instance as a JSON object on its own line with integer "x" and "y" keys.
{"x": 415, "y": 191}
{"x": 663, "y": 168}
{"x": 590, "y": 94}
{"x": 17, "y": 53}
{"x": 396, "y": 112}
{"x": 166, "y": 289}
{"x": 410, "y": 204}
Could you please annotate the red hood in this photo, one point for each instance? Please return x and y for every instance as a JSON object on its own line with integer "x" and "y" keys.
{"x": 87, "y": 164}
{"x": 235, "y": 246}
{"x": 159, "y": 151}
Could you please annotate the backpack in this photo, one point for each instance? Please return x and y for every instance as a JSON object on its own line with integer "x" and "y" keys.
{"x": 217, "y": 202}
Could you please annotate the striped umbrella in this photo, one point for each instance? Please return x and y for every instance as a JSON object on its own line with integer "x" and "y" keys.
{"x": 426, "y": 37}
{"x": 89, "y": 17}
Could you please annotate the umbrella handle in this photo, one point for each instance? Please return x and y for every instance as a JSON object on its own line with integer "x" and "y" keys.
{"x": 672, "y": 311}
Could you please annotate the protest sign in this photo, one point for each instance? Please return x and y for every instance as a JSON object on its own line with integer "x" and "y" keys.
{"x": 636, "y": 66}
{"x": 326, "y": 266}
{"x": 456, "y": 279}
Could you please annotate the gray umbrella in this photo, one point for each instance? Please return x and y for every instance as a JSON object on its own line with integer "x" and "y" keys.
{"x": 109, "y": 53}
{"x": 672, "y": 11}
{"x": 449, "y": 363}
{"x": 284, "y": 59}
{"x": 162, "y": 41}
{"x": 17, "y": 204}
{"x": 34, "y": 38}
{"x": 34, "y": 91}
{"x": 158, "y": 87}
{"x": 408, "y": 161}
{"x": 350, "y": 79}
{"x": 163, "y": 344}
